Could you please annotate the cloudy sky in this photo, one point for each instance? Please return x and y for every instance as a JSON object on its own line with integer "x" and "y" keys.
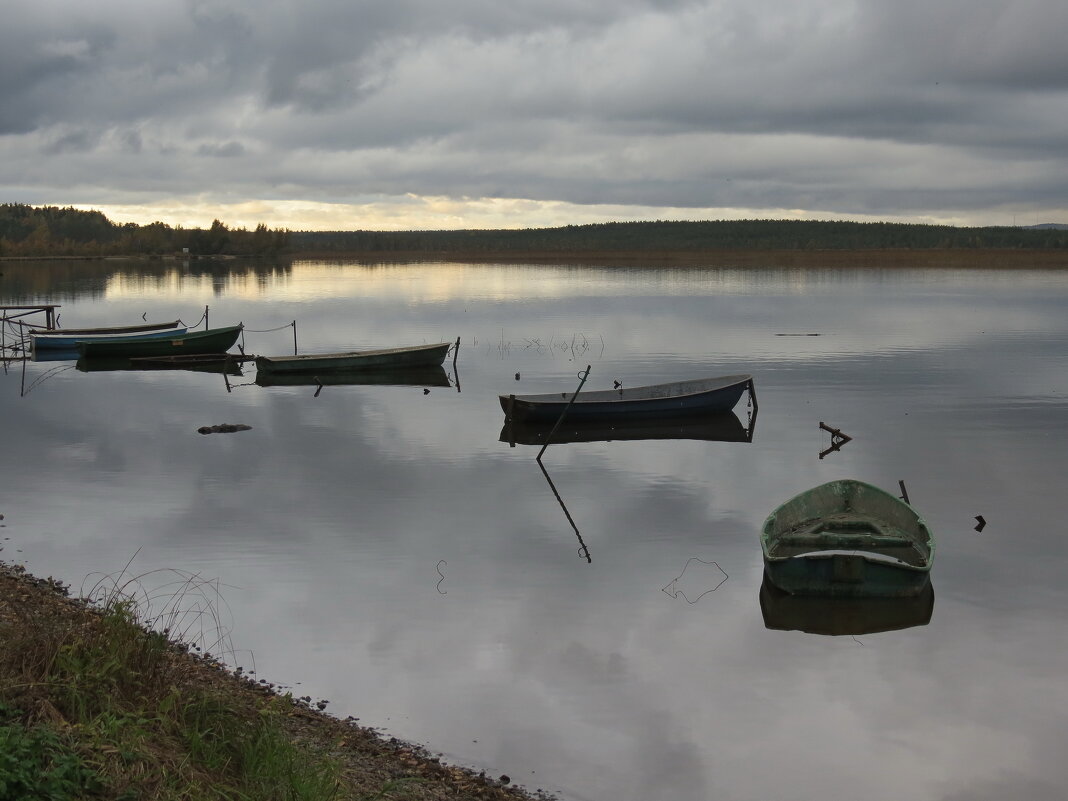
{"x": 400, "y": 114}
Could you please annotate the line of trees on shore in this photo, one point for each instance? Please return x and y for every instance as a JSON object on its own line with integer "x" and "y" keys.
{"x": 50, "y": 231}
{"x": 685, "y": 236}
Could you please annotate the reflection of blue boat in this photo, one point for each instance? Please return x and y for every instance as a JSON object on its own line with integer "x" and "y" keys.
{"x": 70, "y": 338}
{"x": 724, "y": 427}
{"x": 50, "y": 355}
{"x": 677, "y": 398}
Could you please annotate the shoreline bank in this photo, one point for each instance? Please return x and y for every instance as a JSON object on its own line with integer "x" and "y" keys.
{"x": 369, "y": 765}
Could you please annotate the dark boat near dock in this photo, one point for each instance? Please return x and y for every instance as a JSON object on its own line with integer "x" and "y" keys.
{"x": 676, "y": 398}
{"x": 212, "y": 340}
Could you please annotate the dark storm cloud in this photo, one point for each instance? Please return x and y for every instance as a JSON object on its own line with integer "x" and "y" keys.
{"x": 845, "y": 107}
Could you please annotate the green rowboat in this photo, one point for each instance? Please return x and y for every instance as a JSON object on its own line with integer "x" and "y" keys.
{"x": 847, "y": 539}
{"x": 213, "y": 340}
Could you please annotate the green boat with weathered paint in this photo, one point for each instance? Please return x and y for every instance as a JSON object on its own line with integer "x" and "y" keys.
{"x": 847, "y": 539}
{"x": 213, "y": 340}
{"x": 382, "y": 359}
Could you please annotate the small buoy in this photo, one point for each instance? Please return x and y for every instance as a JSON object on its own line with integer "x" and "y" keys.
{"x": 517, "y": 376}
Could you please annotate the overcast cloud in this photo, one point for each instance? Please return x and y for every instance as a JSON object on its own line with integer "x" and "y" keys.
{"x": 479, "y": 113}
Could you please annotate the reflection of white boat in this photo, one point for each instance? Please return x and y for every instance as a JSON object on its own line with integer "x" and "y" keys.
{"x": 836, "y": 616}
{"x": 724, "y": 427}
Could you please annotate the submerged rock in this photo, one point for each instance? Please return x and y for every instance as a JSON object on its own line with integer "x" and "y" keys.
{"x": 224, "y": 428}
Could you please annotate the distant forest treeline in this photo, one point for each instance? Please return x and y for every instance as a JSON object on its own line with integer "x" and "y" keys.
{"x": 685, "y": 236}
{"x": 51, "y": 231}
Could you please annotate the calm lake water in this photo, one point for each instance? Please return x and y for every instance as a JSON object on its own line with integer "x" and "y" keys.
{"x": 380, "y": 547}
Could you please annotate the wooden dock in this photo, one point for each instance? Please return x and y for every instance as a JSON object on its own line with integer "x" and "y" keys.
{"x": 47, "y": 309}
{"x": 12, "y": 321}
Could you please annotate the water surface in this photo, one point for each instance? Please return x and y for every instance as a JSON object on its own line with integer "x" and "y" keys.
{"x": 382, "y": 548}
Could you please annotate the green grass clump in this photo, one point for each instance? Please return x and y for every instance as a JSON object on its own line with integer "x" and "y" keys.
{"x": 36, "y": 762}
{"x": 95, "y": 705}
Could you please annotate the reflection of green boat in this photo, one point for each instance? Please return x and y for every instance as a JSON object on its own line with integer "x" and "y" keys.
{"x": 412, "y": 377}
{"x": 384, "y": 359}
{"x": 835, "y": 616}
{"x": 202, "y": 363}
{"x": 213, "y": 340}
{"x": 847, "y": 538}
{"x": 725, "y": 427}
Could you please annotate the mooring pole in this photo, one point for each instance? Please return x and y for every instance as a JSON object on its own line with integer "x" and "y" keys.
{"x": 456, "y": 370}
{"x": 583, "y": 375}
{"x": 294, "y": 337}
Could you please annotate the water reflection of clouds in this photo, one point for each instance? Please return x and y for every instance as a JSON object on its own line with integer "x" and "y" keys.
{"x": 328, "y": 518}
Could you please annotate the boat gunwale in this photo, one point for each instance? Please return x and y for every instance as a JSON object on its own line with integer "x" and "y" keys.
{"x": 121, "y": 330}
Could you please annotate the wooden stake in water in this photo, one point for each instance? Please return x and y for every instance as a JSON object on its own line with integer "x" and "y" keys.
{"x": 583, "y": 375}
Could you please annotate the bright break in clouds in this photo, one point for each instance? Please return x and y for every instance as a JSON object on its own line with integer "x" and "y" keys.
{"x": 425, "y": 114}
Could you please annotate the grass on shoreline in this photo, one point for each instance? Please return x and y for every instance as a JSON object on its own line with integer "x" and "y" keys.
{"x": 95, "y": 705}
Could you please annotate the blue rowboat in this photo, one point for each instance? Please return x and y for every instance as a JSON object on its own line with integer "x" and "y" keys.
{"x": 69, "y": 338}
{"x": 677, "y": 398}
